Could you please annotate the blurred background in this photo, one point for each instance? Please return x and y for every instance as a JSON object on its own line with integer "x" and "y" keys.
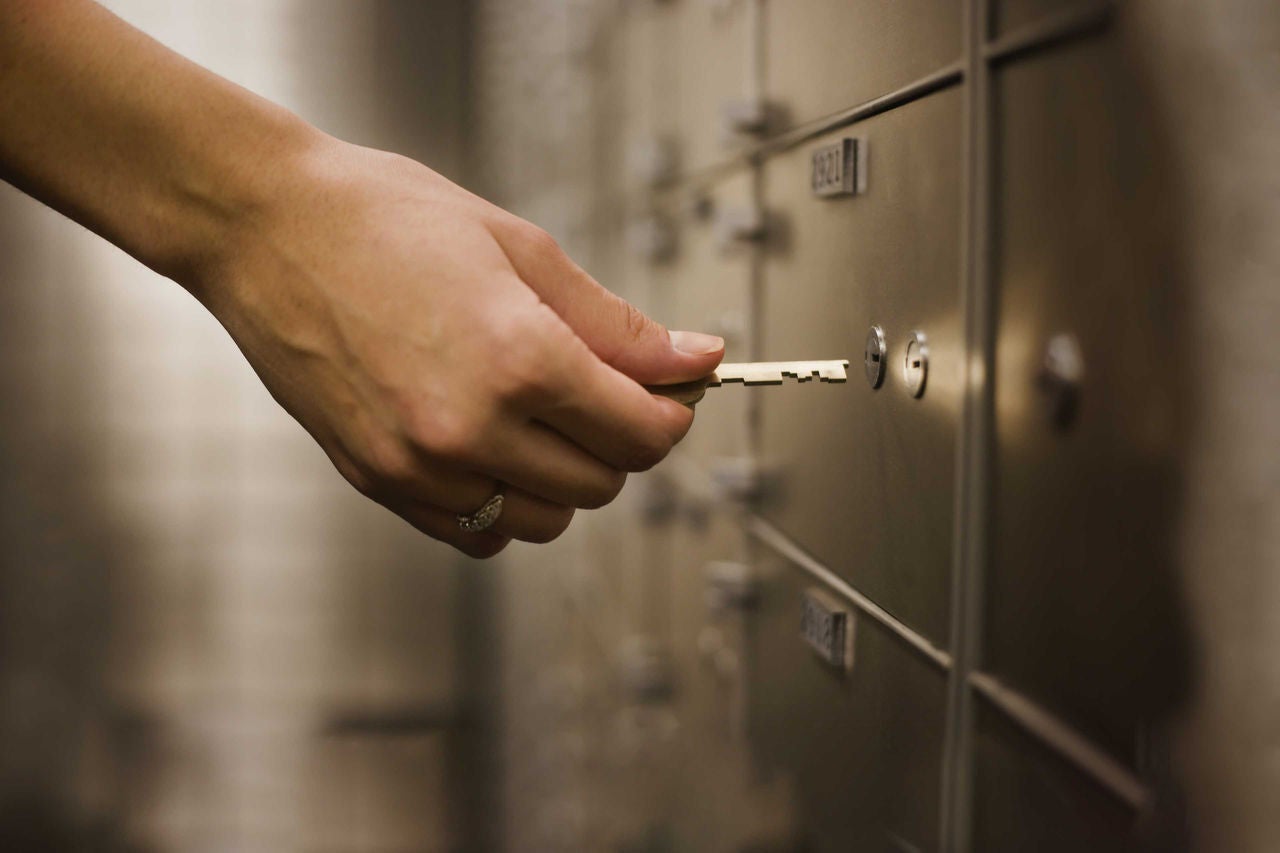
{"x": 1047, "y": 562}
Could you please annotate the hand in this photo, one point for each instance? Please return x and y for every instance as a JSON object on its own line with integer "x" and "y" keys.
{"x": 439, "y": 348}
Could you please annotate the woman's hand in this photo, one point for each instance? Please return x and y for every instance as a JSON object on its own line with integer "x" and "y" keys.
{"x": 439, "y": 348}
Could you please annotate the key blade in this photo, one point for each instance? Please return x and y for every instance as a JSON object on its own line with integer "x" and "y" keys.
{"x": 754, "y": 373}
{"x": 776, "y": 372}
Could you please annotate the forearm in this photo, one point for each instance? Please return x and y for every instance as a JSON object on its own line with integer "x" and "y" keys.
{"x": 158, "y": 155}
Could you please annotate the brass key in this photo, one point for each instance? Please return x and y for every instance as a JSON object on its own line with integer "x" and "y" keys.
{"x": 754, "y": 373}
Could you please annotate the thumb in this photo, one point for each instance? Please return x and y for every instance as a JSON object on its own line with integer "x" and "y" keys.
{"x": 628, "y": 340}
{"x": 620, "y": 334}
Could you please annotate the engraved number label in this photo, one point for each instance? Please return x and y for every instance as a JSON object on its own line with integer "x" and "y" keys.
{"x": 835, "y": 168}
{"x": 827, "y": 626}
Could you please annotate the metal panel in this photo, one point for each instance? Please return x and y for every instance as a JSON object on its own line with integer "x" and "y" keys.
{"x": 863, "y": 749}
{"x": 822, "y": 56}
{"x": 1027, "y": 798}
{"x": 1011, "y": 15}
{"x": 1083, "y": 610}
{"x": 866, "y": 476}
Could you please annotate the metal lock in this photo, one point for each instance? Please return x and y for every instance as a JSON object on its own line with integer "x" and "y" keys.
{"x": 1059, "y": 379}
{"x": 915, "y": 364}
{"x": 873, "y": 357}
{"x": 827, "y": 625}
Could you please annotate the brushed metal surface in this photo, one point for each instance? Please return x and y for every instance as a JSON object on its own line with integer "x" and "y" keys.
{"x": 1083, "y": 608}
{"x": 1010, "y": 15}
{"x": 632, "y": 129}
{"x": 867, "y": 476}
{"x": 1027, "y": 798}
{"x": 678, "y": 65}
{"x": 716, "y": 802}
{"x": 821, "y": 56}
{"x": 707, "y": 287}
{"x": 862, "y": 750}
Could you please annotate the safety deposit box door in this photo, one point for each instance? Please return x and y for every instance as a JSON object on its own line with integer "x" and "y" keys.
{"x": 1083, "y": 606}
{"x": 863, "y": 476}
{"x": 859, "y": 739}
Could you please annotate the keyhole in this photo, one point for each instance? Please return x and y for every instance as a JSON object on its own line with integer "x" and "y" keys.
{"x": 915, "y": 366}
{"x": 873, "y": 356}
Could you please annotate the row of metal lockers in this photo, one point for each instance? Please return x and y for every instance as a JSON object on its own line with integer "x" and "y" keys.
{"x": 931, "y": 607}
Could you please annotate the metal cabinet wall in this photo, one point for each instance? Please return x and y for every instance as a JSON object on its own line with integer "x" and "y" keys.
{"x": 836, "y": 267}
{"x": 1002, "y": 547}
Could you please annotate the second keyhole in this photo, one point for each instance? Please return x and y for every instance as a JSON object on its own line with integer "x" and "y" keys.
{"x": 915, "y": 364}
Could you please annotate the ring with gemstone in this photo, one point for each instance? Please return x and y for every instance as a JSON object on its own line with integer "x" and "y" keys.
{"x": 483, "y": 518}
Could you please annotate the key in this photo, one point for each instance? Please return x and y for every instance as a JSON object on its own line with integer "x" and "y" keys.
{"x": 754, "y": 373}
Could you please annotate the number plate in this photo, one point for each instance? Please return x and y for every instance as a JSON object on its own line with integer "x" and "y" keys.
{"x": 827, "y": 625}
{"x": 838, "y": 168}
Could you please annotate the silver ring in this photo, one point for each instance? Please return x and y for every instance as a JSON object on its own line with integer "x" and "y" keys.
{"x": 483, "y": 518}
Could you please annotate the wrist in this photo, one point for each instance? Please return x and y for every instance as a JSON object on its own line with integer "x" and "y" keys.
{"x": 221, "y": 202}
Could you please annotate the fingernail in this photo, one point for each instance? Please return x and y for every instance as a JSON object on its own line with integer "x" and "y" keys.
{"x": 696, "y": 343}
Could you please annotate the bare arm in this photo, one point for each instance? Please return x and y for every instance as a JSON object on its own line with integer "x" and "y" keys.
{"x": 435, "y": 346}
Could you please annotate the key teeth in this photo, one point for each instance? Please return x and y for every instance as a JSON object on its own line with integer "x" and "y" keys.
{"x": 776, "y": 373}
{"x": 835, "y": 373}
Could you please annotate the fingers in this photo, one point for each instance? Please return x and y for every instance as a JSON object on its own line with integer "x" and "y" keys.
{"x": 443, "y": 525}
{"x": 615, "y": 419}
{"x": 531, "y": 519}
{"x": 617, "y": 332}
{"x": 427, "y": 482}
{"x": 552, "y": 377}
{"x": 523, "y": 517}
{"x": 545, "y": 464}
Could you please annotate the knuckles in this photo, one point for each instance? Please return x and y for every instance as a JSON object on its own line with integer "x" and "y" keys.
{"x": 392, "y": 467}
{"x": 454, "y": 436}
{"x": 554, "y": 527}
{"x": 564, "y": 523}
{"x": 605, "y": 494}
{"x": 646, "y": 454}
{"x": 356, "y": 475}
{"x": 527, "y": 350}
{"x": 539, "y": 243}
